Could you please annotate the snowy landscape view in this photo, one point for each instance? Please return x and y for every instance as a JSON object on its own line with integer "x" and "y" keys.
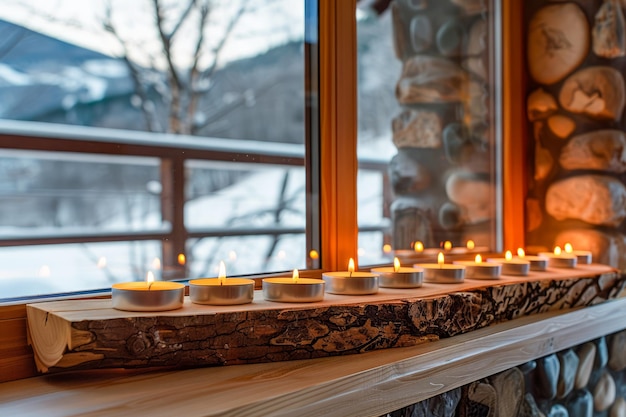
{"x": 257, "y": 99}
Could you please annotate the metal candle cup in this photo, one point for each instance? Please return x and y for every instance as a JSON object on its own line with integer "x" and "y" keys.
{"x": 481, "y": 270}
{"x": 564, "y": 260}
{"x": 512, "y": 266}
{"x": 286, "y": 290}
{"x": 229, "y": 291}
{"x": 350, "y": 283}
{"x": 141, "y": 296}
{"x": 403, "y": 277}
{"x": 442, "y": 273}
{"x": 584, "y": 257}
{"x": 537, "y": 263}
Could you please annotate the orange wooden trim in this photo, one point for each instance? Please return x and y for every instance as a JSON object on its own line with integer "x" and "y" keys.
{"x": 338, "y": 110}
{"x": 514, "y": 130}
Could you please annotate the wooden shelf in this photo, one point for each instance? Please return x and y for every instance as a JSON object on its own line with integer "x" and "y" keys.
{"x": 369, "y": 384}
{"x": 90, "y": 334}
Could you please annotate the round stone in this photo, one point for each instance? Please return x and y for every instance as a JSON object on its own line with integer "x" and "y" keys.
{"x": 540, "y": 104}
{"x": 421, "y": 33}
{"x": 595, "y": 199}
{"x": 586, "y": 357}
{"x": 558, "y": 41}
{"x": 561, "y": 126}
{"x": 619, "y": 408}
{"x": 596, "y": 91}
{"x": 603, "y": 150}
{"x": 546, "y": 376}
{"x": 558, "y": 410}
{"x": 617, "y": 351}
{"x": 580, "y": 404}
{"x": 568, "y": 361}
{"x": 604, "y": 392}
{"x": 450, "y": 37}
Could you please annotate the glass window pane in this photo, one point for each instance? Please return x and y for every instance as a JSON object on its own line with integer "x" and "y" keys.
{"x": 111, "y": 134}
{"x": 48, "y": 193}
{"x": 428, "y": 77}
{"x": 31, "y": 271}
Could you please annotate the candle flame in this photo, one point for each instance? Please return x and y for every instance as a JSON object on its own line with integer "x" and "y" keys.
{"x": 569, "y": 248}
{"x": 182, "y": 260}
{"x": 478, "y": 259}
{"x": 396, "y": 264}
{"x": 313, "y": 254}
{"x": 419, "y": 246}
{"x": 520, "y": 252}
{"x": 470, "y": 244}
{"x": 508, "y": 255}
{"x": 440, "y": 259}
{"x": 447, "y": 245}
{"x": 557, "y": 250}
{"x": 295, "y": 276}
{"x": 102, "y": 262}
{"x": 156, "y": 263}
{"x": 221, "y": 276}
{"x": 351, "y": 266}
{"x": 149, "y": 279}
{"x": 386, "y": 248}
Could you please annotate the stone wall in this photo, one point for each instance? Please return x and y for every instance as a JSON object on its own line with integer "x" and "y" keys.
{"x": 442, "y": 175}
{"x": 585, "y": 381}
{"x": 576, "y": 55}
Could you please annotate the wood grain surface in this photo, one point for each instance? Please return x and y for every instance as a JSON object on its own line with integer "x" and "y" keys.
{"x": 90, "y": 334}
{"x": 370, "y": 384}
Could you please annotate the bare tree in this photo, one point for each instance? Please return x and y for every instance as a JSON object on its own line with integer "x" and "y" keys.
{"x": 184, "y": 86}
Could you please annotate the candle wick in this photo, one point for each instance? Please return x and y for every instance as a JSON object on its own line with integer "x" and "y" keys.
{"x": 150, "y": 285}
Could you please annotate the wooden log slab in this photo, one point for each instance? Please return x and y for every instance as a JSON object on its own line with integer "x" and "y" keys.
{"x": 87, "y": 334}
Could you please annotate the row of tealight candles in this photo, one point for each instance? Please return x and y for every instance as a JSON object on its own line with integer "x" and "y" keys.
{"x": 164, "y": 295}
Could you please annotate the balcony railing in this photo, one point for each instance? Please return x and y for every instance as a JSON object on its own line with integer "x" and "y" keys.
{"x": 172, "y": 152}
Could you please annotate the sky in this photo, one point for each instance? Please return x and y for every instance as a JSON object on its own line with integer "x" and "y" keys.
{"x": 265, "y": 24}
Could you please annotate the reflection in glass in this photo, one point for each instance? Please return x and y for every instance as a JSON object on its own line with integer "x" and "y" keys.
{"x": 427, "y": 78}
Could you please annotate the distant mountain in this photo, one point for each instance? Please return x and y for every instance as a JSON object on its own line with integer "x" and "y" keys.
{"x": 40, "y": 75}
{"x": 45, "y": 79}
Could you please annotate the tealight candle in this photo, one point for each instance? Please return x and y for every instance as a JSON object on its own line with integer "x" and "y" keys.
{"x": 583, "y": 256}
{"x": 558, "y": 259}
{"x": 294, "y": 289}
{"x": 398, "y": 276}
{"x": 512, "y": 266}
{"x": 350, "y": 282}
{"x": 478, "y": 269}
{"x": 537, "y": 263}
{"x": 409, "y": 255}
{"x": 442, "y": 273}
{"x": 221, "y": 291}
{"x": 148, "y": 296}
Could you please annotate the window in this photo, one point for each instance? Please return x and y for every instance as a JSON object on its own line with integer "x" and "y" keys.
{"x": 163, "y": 139}
{"x": 429, "y": 85}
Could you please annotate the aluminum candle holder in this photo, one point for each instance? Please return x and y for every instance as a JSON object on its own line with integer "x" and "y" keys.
{"x": 442, "y": 273}
{"x": 401, "y": 277}
{"x": 346, "y": 283}
{"x": 481, "y": 270}
{"x": 512, "y": 266}
{"x": 563, "y": 260}
{"x": 287, "y": 290}
{"x": 143, "y": 296}
{"x": 537, "y": 263}
{"x": 229, "y": 291}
